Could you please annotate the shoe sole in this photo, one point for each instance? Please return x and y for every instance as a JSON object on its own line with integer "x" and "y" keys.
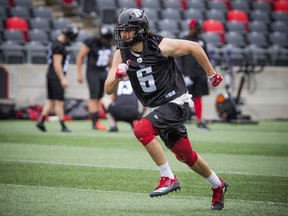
{"x": 219, "y": 206}
{"x": 175, "y": 187}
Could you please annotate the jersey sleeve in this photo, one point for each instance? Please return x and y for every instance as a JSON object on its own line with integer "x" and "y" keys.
{"x": 58, "y": 48}
{"x": 89, "y": 41}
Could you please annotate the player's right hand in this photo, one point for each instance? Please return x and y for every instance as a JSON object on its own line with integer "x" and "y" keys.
{"x": 121, "y": 70}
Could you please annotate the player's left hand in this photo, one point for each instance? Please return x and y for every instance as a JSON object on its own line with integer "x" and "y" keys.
{"x": 215, "y": 79}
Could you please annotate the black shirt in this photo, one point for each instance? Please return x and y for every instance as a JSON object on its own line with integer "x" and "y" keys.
{"x": 57, "y": 47}
{"x": 155, "y": 79}
{"x": 98, "y": 56}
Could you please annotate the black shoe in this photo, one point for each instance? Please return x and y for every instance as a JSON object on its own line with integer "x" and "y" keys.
{"x": 203, "y": 126}
{"x": 41, "y": 127}
{"x": 66, "y": 130}
{"x": 113, "y": 129}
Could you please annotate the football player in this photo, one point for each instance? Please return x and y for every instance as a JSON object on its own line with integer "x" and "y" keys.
{"x": 149, "y": 62}
{"x": 58, "y": 61}
{"x": 99, "y": 55}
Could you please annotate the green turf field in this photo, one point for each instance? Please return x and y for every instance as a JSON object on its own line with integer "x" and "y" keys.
{"x": 98, "y": 173}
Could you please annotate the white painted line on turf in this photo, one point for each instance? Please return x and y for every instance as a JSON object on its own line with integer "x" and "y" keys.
{"x": 125, "y": 167}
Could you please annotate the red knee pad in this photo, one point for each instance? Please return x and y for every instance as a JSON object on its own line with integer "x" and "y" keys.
{"x": 184, "y": 152}
{"x": 145, "y": 131}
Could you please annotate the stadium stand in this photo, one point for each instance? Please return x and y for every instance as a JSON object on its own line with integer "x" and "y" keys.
{"x": 151, "y": 4}
{"x": 23, "y": 3}
{"x": 239, "y": 19}
{"x": 40, "y": 23}
{"x": 19, "y": 11}
{"x": 216, "y": 14}
{"x": 240, "y": 5}
{"x": 152, "y": 13}
{"x": 169, "y": 13}
{"x": 172, "y": 4}
{"x": 39, "y": 36}
{"x": 41, "y": 12}
{"x": 211, "y": 25}
{"x": 192, "y": 13}
{"x": 12, "y": 52}
{"x": 170, "y": 25}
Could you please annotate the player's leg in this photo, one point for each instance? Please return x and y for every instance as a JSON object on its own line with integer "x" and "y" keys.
{"x": 184, "y": 153}
{"x": 96, "y": 91}
{"x": 59, "y": 110}
{"x": 48, "y": 106}
{"x": 145, "y": 133}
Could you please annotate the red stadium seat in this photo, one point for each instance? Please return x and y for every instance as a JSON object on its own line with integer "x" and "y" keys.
{"x": 18, "y": 23}
{"x": 239, "y": 16}
{"x": 211, "y": 25}
{"x": 281, "y": 6}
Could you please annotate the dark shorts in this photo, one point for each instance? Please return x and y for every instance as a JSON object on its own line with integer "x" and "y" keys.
{"x": 199, "y": 87}
{"x": 96, "y": 85}
{"x": 123, "y": 114}
{"x": 169, "y": 118}
{"x": 54, "y": 89}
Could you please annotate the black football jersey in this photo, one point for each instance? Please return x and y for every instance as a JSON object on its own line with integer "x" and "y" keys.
{"x": 57, "y": 47}
{"x": 155, "y": 79}
{"x": 98, "y": 56}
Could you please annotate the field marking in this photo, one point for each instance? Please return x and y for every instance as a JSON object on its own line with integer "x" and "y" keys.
{"x": 124, "y": 167}
{"x": 135, "y": 193}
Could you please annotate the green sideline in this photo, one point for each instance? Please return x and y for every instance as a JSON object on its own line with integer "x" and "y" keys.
{"x": 90, "y": 172}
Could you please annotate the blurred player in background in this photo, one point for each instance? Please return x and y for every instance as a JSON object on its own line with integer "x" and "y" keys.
{"x": 58, "y": 61}
{"x": 195, "y": 78}
{"x": 123, "y": 105}
{"x": 99, "y": 54}
{"x": 149, "y": 62}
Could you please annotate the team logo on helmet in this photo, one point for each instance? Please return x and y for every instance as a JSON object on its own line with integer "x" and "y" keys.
{"x": 136, "y": 13}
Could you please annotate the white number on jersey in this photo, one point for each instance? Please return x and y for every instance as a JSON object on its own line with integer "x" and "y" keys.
{"x": 103, "y": 57}
{"x": 124, "y": 88}
{"x": 146, "y": 79}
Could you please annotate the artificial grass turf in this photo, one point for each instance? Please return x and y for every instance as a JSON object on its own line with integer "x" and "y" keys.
{"x": 114, "y": 172}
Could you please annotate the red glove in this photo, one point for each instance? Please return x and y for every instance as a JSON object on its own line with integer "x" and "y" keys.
{"x": 215, "y": 79}
{"x": 122, "y": 70}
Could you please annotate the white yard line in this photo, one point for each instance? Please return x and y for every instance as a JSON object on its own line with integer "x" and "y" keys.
{"x": 124, "y": 167}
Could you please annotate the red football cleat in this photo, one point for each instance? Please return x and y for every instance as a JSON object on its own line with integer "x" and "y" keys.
{"x": 166, "y": 185}
{"x": 218, "y": 196}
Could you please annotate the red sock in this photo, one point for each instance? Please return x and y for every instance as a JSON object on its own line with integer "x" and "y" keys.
{"x": 198, "y": 108}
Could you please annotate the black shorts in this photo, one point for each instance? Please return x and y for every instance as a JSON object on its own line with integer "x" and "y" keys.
{"x": 122, "y": 114}
{"x": 55, "y": 91}
{"x": 96, "y": 85}
{"x": 199, "y": 87}
{"x": 169, "y": 117}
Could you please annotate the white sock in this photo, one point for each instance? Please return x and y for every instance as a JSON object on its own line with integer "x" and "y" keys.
{"x": 165, "y": 170}
{"x": 214, "y": 180}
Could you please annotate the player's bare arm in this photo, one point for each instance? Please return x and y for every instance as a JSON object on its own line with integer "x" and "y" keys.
{"x": 84, "y": 50}
{"x": 178, "y": 47}
{"x": 111, "y": 83}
